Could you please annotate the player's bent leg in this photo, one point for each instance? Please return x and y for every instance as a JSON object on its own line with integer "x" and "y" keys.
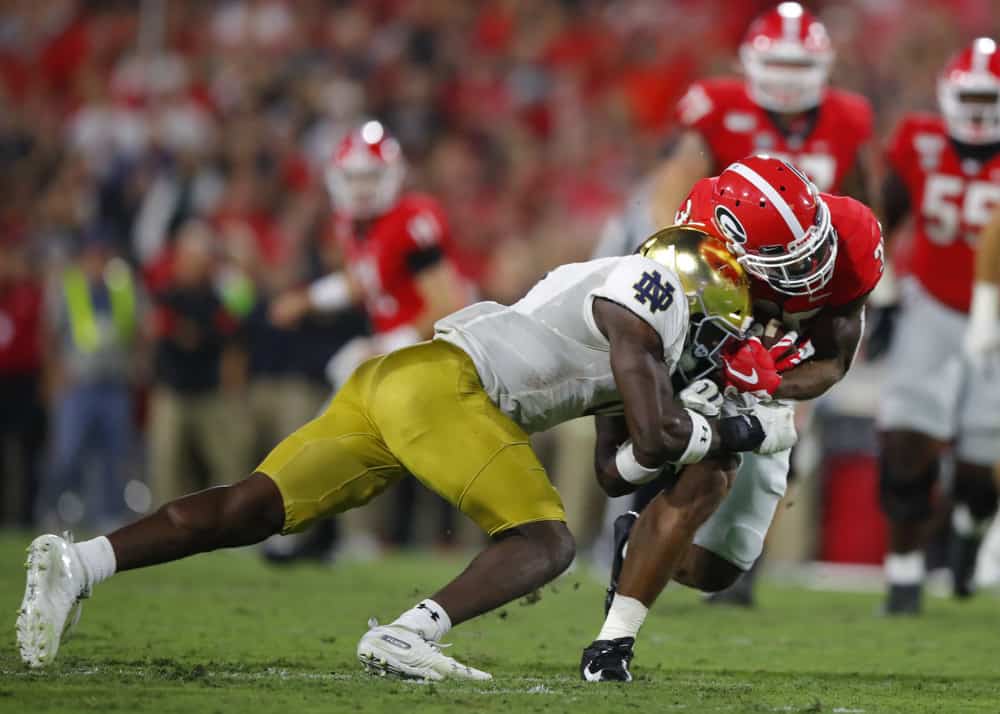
{"x": 657, "y": 544}
{"x": 909, "y": 467}
{"x": 974, "y": 496}
{"x": 704, "y": 570}
{"x": 435, "y": 417}
{"x": 519, "y": 560}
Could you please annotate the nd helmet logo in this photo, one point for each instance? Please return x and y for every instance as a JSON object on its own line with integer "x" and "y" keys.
{"x": 653, "y": 292}
{"x": 730, "y": 225}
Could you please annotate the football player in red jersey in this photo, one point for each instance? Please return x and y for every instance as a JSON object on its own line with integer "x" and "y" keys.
{"x": 395, "y": 250}
{"x": 945, "y": 171}
{"x": 782, "y": 107}
{"x": 813, "y": 258}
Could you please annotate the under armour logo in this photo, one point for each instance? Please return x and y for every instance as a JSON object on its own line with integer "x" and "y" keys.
{"x": 652, "y": 292}
{"x": 434, "y": 615}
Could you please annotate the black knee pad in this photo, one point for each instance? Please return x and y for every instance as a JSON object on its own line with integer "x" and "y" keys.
{"x": 906, "y": 496}
{"x": 978, "y": 492}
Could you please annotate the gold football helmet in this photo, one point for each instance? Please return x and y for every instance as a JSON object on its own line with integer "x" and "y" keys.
{"x": 717, "y": 291}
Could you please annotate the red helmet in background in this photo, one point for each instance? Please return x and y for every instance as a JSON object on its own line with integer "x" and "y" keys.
{"x": 776, "y": 224}
{"x": 786, "y": 55}
{"x": 969, "y": 93}
{"x": 366, "y": 173}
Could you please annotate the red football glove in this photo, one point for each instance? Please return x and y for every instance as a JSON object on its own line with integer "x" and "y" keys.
{"x": 750, "y": 368}
{"x": 789, "y": 352}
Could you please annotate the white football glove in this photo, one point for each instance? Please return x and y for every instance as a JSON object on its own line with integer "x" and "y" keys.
{"x": 778, "y": 421}
{"x": 702, "y": 396}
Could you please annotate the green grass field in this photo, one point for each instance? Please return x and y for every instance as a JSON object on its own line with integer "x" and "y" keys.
{"x": 224, "y": 633}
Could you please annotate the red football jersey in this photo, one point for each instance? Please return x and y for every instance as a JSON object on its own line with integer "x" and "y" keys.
{"x": 386, "y": 258}
{"x": 734, "y": 127}
{"x": 951, "y": 199}
{"x": 860, "y": 253}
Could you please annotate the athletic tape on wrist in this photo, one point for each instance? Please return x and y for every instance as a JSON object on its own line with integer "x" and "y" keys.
{"x": 630, "y": 469}
{"x": 700, "y": 441}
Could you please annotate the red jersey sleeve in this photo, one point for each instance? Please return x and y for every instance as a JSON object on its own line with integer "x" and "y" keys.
{"x": 861, "y": 261}
{"x": 697, "y": 109}
{"x": 856, "y": 113}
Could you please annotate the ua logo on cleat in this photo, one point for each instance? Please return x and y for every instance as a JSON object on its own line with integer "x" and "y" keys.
{"x": 397, "y": 642}
{"x": 651, "y": 291}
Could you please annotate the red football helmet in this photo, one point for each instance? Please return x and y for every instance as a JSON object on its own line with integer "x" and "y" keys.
{"x": 366, "y": 173}
{"x": 786, "y": 55}
{"x": 969, "y": 93}
{"x": 776, "y": 224}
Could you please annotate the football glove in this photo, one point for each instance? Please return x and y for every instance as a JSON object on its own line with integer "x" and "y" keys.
{"x": 750, "y": 368}
{"x": 789, "y": 351}
{"x": 702, "y": 396}
{"x": 778, "y": 422}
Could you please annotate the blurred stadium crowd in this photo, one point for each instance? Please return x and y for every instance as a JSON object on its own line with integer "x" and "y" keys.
{"x": 174, "y": 149}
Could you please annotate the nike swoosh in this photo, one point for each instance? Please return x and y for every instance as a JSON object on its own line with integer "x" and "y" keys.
{"x": 592, "y": 676}
{"x": 748, "y": 378}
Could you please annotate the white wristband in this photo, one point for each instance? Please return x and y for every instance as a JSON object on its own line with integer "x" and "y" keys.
{"x": 630, "y": 469}
{"x": 985, "y": 298}
{"x": 700, "y": 441}
{"x": 402, "y": 336}
{"x": 331, "y": 293}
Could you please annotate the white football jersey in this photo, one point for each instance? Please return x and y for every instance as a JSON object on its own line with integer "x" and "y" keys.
{"x": 543, "y": 359}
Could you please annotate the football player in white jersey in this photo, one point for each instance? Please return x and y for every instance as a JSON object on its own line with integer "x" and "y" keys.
{"x": 595, "y": 337}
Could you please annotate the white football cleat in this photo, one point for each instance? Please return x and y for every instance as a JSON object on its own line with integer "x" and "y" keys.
{"x": 395, "y": 651}
{"x": 51, "y": 606}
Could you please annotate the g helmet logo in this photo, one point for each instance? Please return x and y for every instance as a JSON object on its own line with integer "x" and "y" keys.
{"x": 730, "y": 225}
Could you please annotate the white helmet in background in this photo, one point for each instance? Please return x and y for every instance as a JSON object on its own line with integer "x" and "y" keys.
{"x": 969, "y": 93}
{"x": 366, "y": 172}
{"x": 786, "y": 55}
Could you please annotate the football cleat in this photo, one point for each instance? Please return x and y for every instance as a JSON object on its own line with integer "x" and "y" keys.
{"x": 392, "y": 650}
{"x": 56, "y": 583}
{"x": 903, "y": 600}
{"x": 622, "y": 529}
{"x": 607, "y": 660}
{"x": 962, "y": 556}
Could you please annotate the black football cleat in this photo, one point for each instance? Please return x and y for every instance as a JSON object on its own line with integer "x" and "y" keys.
{"x": 903, "y": 600}
{"x": 962, "y": 555}
{"x": 607, "y": 660}
{"x": 622, "y": 529}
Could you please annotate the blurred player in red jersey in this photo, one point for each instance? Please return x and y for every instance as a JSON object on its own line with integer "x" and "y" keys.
{"x": 395, "y": 250}
{"x": 945, "y": 171}
{"x": 394, "y": 247}
{"x": 812, "y": 258}
{"x": 782, "y": 107}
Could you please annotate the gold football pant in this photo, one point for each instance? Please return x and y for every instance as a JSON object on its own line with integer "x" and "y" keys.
{"x": 420, "y": 410}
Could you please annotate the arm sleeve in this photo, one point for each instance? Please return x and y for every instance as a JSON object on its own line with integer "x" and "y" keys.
{"x": 651, "y": 292}
{"x": 423, "y": 241}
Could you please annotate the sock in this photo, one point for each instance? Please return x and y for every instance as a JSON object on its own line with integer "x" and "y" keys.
{"x": 427, "y": 619}
{"x": 624, "y": 618}
{"x": 98, "y": 559}
{"x": 905, "y": 568}
{"x": 965, "y": 524}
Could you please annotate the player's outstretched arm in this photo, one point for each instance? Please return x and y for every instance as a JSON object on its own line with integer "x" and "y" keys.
{"x": 835, "y": 334}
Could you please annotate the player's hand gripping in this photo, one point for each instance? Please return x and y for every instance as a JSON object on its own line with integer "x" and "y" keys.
{"x": 790, "y": 351}
{"x": 750, "y": 368}
{"x": 702, "y": 396}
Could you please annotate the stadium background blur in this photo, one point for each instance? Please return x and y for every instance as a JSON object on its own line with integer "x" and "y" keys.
{"x": 188, "y": 138}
